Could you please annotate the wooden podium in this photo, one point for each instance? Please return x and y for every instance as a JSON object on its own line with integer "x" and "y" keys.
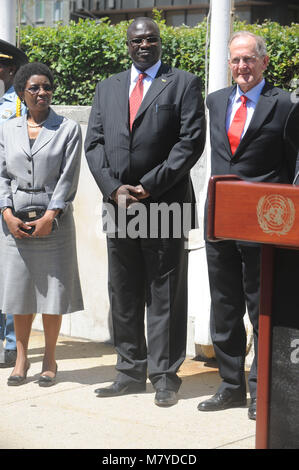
{"x": 268, "y": 214}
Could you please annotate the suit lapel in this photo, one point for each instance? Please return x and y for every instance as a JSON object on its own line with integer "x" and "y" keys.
{"x": 264, "y": 105}
{"x": 121, "y": 90}
{"x": 222, "y": 116}
{"x": 161, "y": 81}
{"x": 48, "y": 131}
{"x": 45, "y": 135}
{"x": 23, "y": 137}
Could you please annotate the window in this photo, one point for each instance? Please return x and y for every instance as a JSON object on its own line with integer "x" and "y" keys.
{"x": 39, "y": 10}
{"x": 57, "y": 13}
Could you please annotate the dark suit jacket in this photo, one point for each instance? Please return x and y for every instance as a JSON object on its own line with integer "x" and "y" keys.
{"x": 292, "y": 135}
{"x": 167, "y": 139}
{"x": 263, "y": 154}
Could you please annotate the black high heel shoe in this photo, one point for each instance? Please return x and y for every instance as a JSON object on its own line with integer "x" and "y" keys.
{"x": 46, "y": 381}
{"x": 15, "y": 380}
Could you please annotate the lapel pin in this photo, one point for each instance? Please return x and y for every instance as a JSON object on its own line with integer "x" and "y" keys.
{"x": 163, "y": 79}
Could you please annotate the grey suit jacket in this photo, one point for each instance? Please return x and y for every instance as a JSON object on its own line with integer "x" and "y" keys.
{"x": 52, "y": 164}
{"x": 167, "y": 139}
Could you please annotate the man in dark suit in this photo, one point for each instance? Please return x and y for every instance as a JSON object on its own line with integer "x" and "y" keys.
{"x": 292, "y": 131}
{"x": 141, "y": 155}
{"x": 247, "y": 139}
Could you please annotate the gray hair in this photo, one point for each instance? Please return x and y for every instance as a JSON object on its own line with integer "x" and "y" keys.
{"x": 261, "y": 48}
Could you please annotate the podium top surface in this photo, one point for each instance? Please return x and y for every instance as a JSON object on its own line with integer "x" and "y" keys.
{"x": 254, "y": 212}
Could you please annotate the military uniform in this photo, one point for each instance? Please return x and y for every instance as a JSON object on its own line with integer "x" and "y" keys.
{"x": 9, "y": 105}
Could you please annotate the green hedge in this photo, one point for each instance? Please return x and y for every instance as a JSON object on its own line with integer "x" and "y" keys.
{"x": 81, "y": 54}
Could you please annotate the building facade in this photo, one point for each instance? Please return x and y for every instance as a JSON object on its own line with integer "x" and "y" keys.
{"x": 44, "y": 12}
{"x": 189, "y": 12}
{"x": 175, "y": 12}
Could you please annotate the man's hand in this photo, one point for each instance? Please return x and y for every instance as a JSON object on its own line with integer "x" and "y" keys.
{"x": 141, "y": 192}
{"x": 123, "y": 196}
{"x": 127, "y": 194}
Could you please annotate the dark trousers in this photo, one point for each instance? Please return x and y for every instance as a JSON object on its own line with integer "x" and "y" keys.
{"x": 151, "y": 273}
{"x": 234, "y": 275}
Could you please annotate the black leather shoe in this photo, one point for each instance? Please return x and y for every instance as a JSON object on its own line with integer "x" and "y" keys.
{"x": 165, "y": 398}
{"x": 10, "y": 356}
{"x": 118, "y": 388}
{"x": 222, "y": 401}
{"x": 252, "y": 409}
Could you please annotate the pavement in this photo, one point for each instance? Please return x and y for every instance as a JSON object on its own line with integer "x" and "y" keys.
{"x": 70, "y": 416}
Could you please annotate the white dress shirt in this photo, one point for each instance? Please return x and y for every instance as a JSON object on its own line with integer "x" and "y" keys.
{"x": 235, "y": 102}
{"x": 147, "y": 81}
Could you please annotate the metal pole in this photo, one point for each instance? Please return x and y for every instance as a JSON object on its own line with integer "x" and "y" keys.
{"x": 218, "y": 73}
{"x": 219, "y": 37}
{"x": 220, "y": 30}
{"x": 8, "y": 21}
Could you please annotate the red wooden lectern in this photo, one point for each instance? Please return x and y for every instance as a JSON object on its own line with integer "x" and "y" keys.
{"x": 267, "y": 214}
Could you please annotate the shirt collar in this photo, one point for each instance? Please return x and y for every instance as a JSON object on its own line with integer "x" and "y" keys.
{"x": 9, "y": 95}
{"x": 252, "y": 94}
{"x": 151, "y": 71}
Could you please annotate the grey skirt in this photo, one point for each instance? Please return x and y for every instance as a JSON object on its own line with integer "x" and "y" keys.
{"x": 40, "y": 275}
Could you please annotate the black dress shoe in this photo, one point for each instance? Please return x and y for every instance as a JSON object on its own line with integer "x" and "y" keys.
{"x": 222, "y": 401}
{"x": 252, "y": 409}
{"x": 165, "y": 398}
{"x": 15, "y": 380}
{"x": 10, "y": 356}
{"x": 119, "y": 388}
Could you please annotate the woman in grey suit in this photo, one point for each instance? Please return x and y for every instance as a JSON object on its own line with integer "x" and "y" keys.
{"x": 39, "y": 171}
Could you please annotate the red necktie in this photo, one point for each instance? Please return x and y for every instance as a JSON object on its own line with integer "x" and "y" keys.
{"x": 236, "y": 128}
{"x": 136, "y": 98}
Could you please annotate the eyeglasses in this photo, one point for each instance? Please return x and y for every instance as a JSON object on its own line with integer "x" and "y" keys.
{"x": 246, "y": 59}
{"x": 139, "y": 41}
{"x": 34, "y": 89}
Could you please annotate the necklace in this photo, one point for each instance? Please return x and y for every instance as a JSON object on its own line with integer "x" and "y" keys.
{"x": 36, "y": 125}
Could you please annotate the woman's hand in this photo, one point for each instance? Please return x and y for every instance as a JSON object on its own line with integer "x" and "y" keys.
{"x": 15, "y": 225}
{"x": 43, "y": 226}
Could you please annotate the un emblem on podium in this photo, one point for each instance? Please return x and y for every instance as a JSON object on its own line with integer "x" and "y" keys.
{"x": 275, "y": 214}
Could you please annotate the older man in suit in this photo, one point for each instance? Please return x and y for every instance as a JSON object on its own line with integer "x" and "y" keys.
{"x": 292, "y": 131}
{"x": 247, "y": 139}
{"x": 146, "y": 131}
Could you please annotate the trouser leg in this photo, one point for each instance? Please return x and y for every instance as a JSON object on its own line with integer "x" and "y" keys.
{"x": 2, "y": 326}
{"x": 127, "y": 301}
{"x": 226, "y": 266}
{"x": 10, "y": 335}
{"x": 251, "y": 275}
{"x": 167, "y": 266}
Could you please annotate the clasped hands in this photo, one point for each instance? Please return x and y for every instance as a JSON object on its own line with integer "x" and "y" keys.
{"x": 42, "y": 226}
{"x": 127, "y": 194}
